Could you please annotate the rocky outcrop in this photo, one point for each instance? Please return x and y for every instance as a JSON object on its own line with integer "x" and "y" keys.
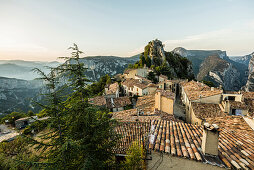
{"x": 220, "y": 72}
{"x": 197, "y": 57}
{"x": 156, "y": 50}
{"x": 18, "y": 95}
{"x": 250, "y": 82}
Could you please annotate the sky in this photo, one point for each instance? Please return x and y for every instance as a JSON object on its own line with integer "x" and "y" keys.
{"x": 43, "y": 30}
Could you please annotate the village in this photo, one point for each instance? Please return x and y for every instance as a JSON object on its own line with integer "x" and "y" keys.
{"x": 181, "y": 124}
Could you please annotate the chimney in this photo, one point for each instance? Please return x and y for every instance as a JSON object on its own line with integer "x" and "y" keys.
{"x": 210, "y": 139}
{"x": 159, "y": 100}
{"x": 227, "y": 106}
{"x": 212, "y": 88}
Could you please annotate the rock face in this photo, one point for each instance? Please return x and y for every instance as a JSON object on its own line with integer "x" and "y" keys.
{"x": 243, "y": 59}
{"x": 156, "y": 49}
{"x": 197, "y": 57}
{"x": 16, "y": 94}
{"x": 250, "y": 82}
{"x": 220, "y": 72}
{"x": 101, "y": 65}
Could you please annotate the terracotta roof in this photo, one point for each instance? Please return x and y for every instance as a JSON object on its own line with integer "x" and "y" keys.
{"x": 248, "y": 95}
{"x": 195, "y": 95}
{"x": 163, "y": 76}
{"x": 140, "y": 85}
{"x": 152, "y": 85}
{"x": 235, "y": 123}
{"x": 118, "y": 102}
{"x": 237, "y": 105}
{"x": 112, "y": 88}
{"x": 136, "y": 82}
{"x": 167, "y": 94}
{"x": 236, "y": 150}
{"x": 146, "y": 102}
{"x": 207, "y": 110}
{"x": 131, "y": 116}
{"x": 98, "y": 100}
{"x": 194, "y": 86}
{"x": 250, "y": 104}
{"x": 131, "y": 132}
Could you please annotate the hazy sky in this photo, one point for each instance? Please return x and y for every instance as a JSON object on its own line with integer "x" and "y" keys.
{"x": 44, "y": 29}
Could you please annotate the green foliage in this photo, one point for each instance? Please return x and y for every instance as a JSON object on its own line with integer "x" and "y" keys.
{"x": 151, "y": 76}
{"x": 11, "y": 118}
{"x": 79, "y": 135}
{"x": 98, "y": 87}
{"x": 36, "y": 127}
{"x": 209, "y": 83}
{"x": 13, "y": 153}
{"x": 135, "y": 157}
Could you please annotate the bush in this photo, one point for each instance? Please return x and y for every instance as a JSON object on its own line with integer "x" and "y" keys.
{"x": 135, "y": 157}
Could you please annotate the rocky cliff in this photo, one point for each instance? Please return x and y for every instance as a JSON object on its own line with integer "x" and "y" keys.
{"x": 220, "y": 72}
{"x": 243, "y": 59}
{"x": 17, "y": 95}
{"x": 162, "y": 62}
{"x": 101, "y": 65}
{"x": 197, "y": 57}
{"x": 250, "y": 82}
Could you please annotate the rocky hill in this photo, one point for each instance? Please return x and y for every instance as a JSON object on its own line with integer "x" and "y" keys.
{"x": 167, "y": 63}
{"x": 100, "y": 65}
{"x": 243, "y": 59}
{"x": 197, "y": 57}
{"x": 220, "y": 72}
{"x": 20, "y": 69}
{"x": 250, "y": 82}
{"x": 16, "y": 94}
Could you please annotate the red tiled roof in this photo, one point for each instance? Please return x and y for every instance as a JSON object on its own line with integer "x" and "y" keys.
{"x": 98, "y": 100}
{"x": 113, "y": 88}
{"x": 184, "y": 140}
{"x": 167, "y": 94}
{"x": 118, "y": 102}
{"x": 207, "y": 110}
{"x": 235, "y": 123}
{"x": 130, "y": 132}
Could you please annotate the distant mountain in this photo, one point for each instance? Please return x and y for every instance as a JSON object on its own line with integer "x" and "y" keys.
{"x": 243, "y": 59}
{"x": 23, "y": 69}
{"x": 250, "y": 82}
{"x": 100, "y": 65}
{"x": 17, "y": 94}
{"x": 197, "y": 57}
{"x": 97, "y": 66}
{"x": 221, "y": 72}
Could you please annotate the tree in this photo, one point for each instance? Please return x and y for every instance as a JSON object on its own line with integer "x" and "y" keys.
{"x": 91, "y": 131}
{"x": 11, "y": 118}
{"x": 135, "y": 157}
{"x": 151, "y": 76}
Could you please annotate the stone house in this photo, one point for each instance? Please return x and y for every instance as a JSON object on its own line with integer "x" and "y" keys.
{"x": 131, "y": 73}
{"x": 112, "y": 90}
{"x": 114, "y": 104}
{"x": 199, "y": 112}
{"x": 164, "y": 101}
{"x": 139, "y": 87}
{"x": 117, "y": 104}
{"x": 23, "y": 122}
